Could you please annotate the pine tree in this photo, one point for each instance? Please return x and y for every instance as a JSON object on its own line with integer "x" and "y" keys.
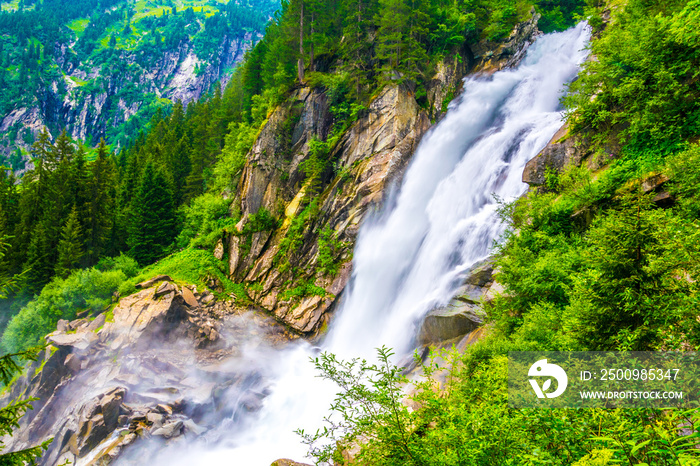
{"x": 100, "y": 203}
{"x": 70, "y": 248}
{"x": 393, "y": 21}
{"x": 38, "y": 267}
{"x": 153, "y": 224}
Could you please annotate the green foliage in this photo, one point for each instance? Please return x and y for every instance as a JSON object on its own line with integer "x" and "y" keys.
{"x": 233, "y": 156}
{"x": 121, "y": 262}
{"x": 121, "y": 39}
{"x": 153, "y": 226}
{"x": 293, "y": 239}
{"x": 11, "y": 414}
{"x": 644, "y": 80}
{"x": 558, "y": 15}
{"x": 302, "y": 290}
{"x": 89, "y": 289}
{"x": 329, "y": 251}
{"x": 206, "y": 219}
{"x": 189, "y": 266}
{"x": 369, "y": 409}
{"x": 468, "y": 421}
{"x": 69, "y": 248}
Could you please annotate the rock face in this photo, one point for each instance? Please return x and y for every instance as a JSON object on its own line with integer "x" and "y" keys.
{"x": 153, "y": 373}
{"x": 493, "y": 56}
{"x": 372, "y": 153}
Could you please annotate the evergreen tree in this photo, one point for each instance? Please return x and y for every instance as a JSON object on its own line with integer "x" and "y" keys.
{"x": 100, "y": 187}
{"x": 70, "y": 248}
{"x": 153, "y": 224}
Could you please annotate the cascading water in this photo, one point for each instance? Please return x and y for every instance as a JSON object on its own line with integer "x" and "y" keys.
{"x": 411, "y": 256}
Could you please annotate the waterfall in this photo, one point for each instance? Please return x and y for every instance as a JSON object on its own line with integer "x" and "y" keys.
{"x": 411, "y": 256}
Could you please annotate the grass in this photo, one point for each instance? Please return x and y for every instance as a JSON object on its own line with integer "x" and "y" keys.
{"x": 189, "y": 266}
{"x": 78, "y": 26}
{"x": 78, "y": 82}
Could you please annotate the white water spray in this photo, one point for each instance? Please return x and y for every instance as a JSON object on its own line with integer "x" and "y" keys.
{"x": 412, "y": 256}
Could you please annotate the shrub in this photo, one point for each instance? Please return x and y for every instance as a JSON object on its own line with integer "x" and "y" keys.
{"x": 89, "y": 289}
{"x": 205, "y": 220}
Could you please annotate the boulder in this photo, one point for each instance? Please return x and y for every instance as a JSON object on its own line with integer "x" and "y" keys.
{"x": 654, "y": 182}
{"x": 73, "y": 363}
{"x": 92, "y": 433}
{"x": 169, "y": 430}
{"x": 189, "y": 297}
{"x": 153, "y": 281}
{"x": 219, "y": 250}
{"x": 156, "y": 419}
{"x": 561, "y": 152}
{"x": 457, "y": 319}
{"x": 165, "y": 288}
{"x": 98, "y": 322}
{"x": 78, "y": 323}
{"x": 79, "y": 341}
{"x": 140, "y": 314}
{"x": 164, "y": 409}
{"x": 110, "y": 404}
{"x": 62, "y": 326}
{"x": 480, "y": 275}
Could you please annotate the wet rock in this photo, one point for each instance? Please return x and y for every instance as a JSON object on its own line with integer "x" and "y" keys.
{"x": 155, "y": 419}
{"x": 164, "y": 409}
{"x": 450, "y": 322}
{"x": 110, "y": 404}
{"x": 169, "y": 430}
{"x": 481, "y": 275}
{"x": 191, "y": 426}
{"x": 153, "y": 281}
{"x": 73, "y": 362}
{"x": 92, "y": 433}
{"x": 252, "y": 401}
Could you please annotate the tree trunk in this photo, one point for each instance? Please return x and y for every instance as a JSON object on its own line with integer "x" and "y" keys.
{"x": 311, "y": 58}
{"x": 300, "y": 63}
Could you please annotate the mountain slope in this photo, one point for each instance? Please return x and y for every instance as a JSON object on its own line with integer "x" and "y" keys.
{"x": 103, "y": 70}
